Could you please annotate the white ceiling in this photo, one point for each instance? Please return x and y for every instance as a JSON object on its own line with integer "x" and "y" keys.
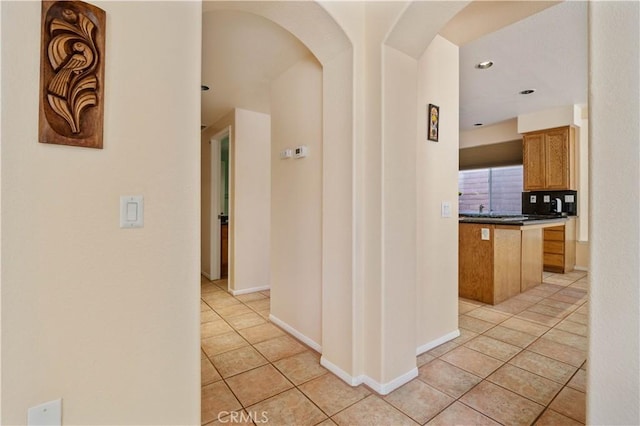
{"x": 241, "y": 54}
{"x": 547, "y": 51}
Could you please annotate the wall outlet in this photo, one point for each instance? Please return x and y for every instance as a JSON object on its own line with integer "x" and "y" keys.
{"x": 546, "y": 198}
{"x": 532, "y": 198}
{"x": 485, "y": 234}
{"x": 49, "y": 413}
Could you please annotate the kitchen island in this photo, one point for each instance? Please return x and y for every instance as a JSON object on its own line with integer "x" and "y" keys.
{"x": 500, "y": 257}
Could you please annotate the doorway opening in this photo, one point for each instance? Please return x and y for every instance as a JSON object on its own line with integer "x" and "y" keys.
{"x": 220, "y": 171}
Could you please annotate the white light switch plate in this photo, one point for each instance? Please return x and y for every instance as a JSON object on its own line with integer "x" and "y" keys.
{"x": 532, "y": 198}
{"x": 49, "y": 413}
{"x": 546, "y": 198}
{"x": 131, "y": 211}
{"x": 485, "y": 234}
{"x": 445, "y": 208}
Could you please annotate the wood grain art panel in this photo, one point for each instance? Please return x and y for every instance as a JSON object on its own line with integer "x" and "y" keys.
{"x": 72, "y": 74}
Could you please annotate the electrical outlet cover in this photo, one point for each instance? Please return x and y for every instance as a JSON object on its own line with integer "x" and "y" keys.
{"x": 49, "y": 413}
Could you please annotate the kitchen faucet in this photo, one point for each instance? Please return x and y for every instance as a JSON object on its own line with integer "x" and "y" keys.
{"x": 481, "y": 208}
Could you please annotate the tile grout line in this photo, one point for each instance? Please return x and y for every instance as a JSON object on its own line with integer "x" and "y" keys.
{"x": 567, "y": 311}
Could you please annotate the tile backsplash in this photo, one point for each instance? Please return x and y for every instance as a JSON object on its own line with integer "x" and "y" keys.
{"x": 544, "y": 202}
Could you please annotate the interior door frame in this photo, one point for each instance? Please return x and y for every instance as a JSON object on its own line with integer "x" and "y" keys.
{"x": 215, "y": 206}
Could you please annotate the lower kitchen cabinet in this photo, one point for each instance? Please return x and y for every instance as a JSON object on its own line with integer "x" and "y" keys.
{"x": 560, "y": 247}
{"x": 497, "y": 262}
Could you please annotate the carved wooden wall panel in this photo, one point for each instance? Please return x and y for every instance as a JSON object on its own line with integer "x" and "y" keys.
{"x": 72, "y": 74}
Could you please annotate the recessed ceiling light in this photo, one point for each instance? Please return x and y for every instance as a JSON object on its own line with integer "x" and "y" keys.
{"x": 479, "y": 124}
{"x": 527, "y": 92}
{"x": 484, "y": 65}
{"x": 204, "y": 88}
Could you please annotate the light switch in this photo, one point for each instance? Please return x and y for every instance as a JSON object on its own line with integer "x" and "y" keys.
{"x": 569, "y": 199}
{"x": 532, "y": 199}
{"x": 286, "y": 153}
{"x": 445, "y": 209}
{"x": 131, "y": 211}
{"x": 485, "y": 234}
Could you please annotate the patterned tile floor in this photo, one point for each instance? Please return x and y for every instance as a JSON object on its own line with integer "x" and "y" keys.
{"x": 518, "y": 363}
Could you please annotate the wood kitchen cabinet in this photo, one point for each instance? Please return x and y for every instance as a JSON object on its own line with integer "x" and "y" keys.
{"x": 560, "y": 247}
{"x": 506, "y": 263}
{"x": 549, "y": 159}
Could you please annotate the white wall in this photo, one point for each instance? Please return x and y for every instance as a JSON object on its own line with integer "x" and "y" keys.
{"x": 296, "y": 203}
{"x": 400, "y": 76}
{"x": 614, "y": 342}
{"x": 249, "y": 209}
{"x": 569, "y": 115}
{"x": 437, "y": 166}
{"x": 103, "y": 317}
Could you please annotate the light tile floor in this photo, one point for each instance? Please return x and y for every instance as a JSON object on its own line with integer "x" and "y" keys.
{"x": 520, "y": 362}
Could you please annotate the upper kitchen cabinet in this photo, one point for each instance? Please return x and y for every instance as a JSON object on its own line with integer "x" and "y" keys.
{"x": 548, "y": 158}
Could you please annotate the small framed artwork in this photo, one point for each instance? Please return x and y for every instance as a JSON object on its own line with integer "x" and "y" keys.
{"x": 433, "y": 117}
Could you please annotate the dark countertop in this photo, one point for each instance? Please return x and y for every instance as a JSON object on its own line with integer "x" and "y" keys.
{"x": 519, "y": 220}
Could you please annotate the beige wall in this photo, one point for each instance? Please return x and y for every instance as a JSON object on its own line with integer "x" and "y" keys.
{"x": 250, "y": 194}
{"x": 249, "y": 209}
{"x": 296, "y": 207}
{"x": 400, "y": 76}
{"x": 437, "y": 165}
{"x": 614, "y": 306}
{"x": 486, "y": 135}
{"x": 102, "y": 317}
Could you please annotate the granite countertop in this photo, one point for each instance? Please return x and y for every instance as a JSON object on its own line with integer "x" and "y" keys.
{"x": 516, "y": 220}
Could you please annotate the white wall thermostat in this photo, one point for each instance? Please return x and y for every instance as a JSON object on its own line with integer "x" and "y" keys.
{"x": 301, "y": 151}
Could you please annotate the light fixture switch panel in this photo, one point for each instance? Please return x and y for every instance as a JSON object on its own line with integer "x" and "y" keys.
{"x": 286, "y": 153}
{"x": 445, "y": 209}
{"x": 569, "y": 199}
{"x": 131, "y": 211}
{"x": 485, "y": 234}
{"x": 49, "y": 413}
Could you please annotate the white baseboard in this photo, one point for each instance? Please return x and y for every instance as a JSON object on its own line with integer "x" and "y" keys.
{"x": 581, "y": 268}
{"x": 249, "y": 290}
{"x": 385, "y": 388}
{"x": 437, "y": 342}
{"x": 346, "y": 377}
{"x": 295, "y": 333}
{"x": 206, "y": 275}
{"x": 381, "y": 388}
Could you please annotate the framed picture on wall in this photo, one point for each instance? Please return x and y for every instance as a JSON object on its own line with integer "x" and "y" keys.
{"x": 433, "y": 119}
